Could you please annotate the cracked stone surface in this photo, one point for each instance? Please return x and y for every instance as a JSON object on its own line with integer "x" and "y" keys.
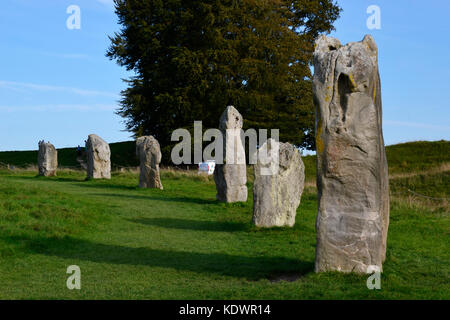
{"x": 47, "y": 159}
{"x": 352, "y": 172}
{"x": 278, "y": 184}
{"x": 149, "y": 154}
{"x": 231, "y": 176}
{"x": 98, "y": 158}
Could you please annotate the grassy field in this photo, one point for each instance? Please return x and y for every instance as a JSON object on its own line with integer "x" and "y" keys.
{"x": 123, "y": 154}
{"x": 180, "y": 243}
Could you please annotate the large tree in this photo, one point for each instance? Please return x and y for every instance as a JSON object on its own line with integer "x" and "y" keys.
{"x": 192, "y": 58}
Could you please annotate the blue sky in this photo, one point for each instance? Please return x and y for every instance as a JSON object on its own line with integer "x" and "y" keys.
{"x": 56, "y": 84}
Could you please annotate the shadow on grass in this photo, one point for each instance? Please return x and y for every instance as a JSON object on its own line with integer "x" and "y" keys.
{"x": 251, "y": 268}
{"x": 165, "y": 198}
{"x": 66, "y": 179}
{"x": 185, "y": 224}
{"x": 80, "y": 182}
{"x": 47, "y": 179}
{"x": 104, "y": 184}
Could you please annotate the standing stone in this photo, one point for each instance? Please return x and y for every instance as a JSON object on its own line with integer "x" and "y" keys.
{"x": 231, "y": 177}
{"x": 278, "y": 185}
{"x": 352, "y": 172}
{"x": 149, "y": 153}
{"x": 98, "y": 158}
{"x": 47, "y": 159}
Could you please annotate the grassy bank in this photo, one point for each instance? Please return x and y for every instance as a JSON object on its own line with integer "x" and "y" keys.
{"x": 123, "y": 154}
{"x": 406, "y": 157}
{"x": 179, "y": 243}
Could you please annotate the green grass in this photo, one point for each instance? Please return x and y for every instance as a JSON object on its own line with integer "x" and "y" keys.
{"x": 180, "y": 243}
{"x": 122, "y": 154}
{"x": 405, "y": 157}
{"x": 417, "y": 156}
{"x": 402, "y": 158}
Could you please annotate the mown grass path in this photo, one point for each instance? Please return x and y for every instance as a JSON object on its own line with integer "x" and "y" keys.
{"x": 180, "y": 243}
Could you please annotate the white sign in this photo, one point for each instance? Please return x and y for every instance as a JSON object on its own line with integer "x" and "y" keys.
{"x": 207, "y": 167}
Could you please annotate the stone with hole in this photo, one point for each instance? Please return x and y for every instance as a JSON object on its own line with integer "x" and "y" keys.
{"x": 352, "y": 173}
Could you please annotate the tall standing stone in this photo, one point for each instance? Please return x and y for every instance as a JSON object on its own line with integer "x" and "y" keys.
{"x": 231, "y": 176}
{"x": 278, "y": 185}
{"x": 352, "y": 172}
{"x": 47, "y": 159}
{"x": 149, "y": 153}
{"x": 98, "y": 158}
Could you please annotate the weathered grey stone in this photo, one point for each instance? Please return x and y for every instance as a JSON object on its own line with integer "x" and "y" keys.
{"x": 98, "y": 158}
{"x": 149, "y": 153}
{"x": 278, "y": 185}
{"x": 352, "y": 172}
{"x": 231, "y": 176}
{"x": 47, "y": 159}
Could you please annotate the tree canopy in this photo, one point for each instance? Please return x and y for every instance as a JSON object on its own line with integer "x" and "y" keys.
{"x": 192, "y": 58}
